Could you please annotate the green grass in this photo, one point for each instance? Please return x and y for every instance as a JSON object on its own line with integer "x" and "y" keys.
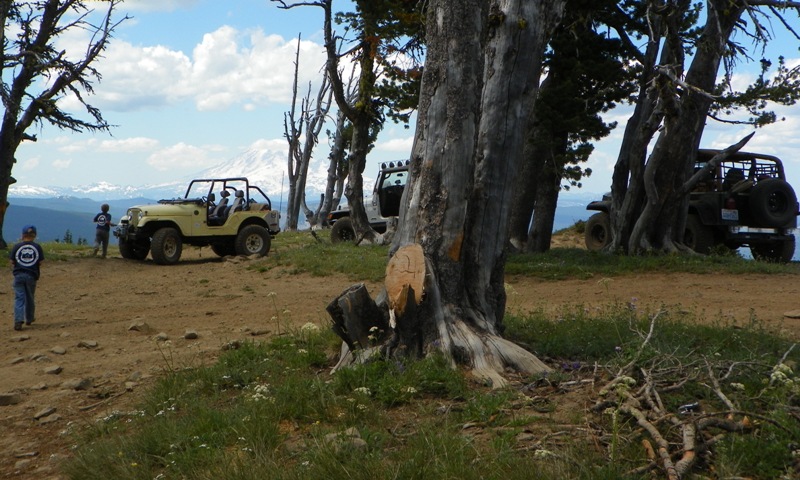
{"x": 273, "y": 410}
{"x": 299, "y": 252}
{"x": 563, "y": 263}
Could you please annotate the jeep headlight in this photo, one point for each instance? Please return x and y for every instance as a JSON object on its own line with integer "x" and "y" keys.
{"x": 133, "y": 215}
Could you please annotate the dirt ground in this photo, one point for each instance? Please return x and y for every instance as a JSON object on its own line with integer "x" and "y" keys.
{"x": 105, "y": 329}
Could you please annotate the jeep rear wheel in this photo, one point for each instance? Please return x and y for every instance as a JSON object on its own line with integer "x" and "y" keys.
{"x": 697, "y": 236}
{"x": 773, "y": 203}
{"x": 598, "y": 231}
{"x": 253, "y": 240}
{"x": 137, "y": 250}
{"x": 166, "y": 247}
{"x": 779, "y": 251}
{"x": 342, "y": 231}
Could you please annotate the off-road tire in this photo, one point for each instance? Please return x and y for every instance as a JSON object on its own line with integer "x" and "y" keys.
{"x": 773, "y": 203}
{"x": 253, "y": 240}
{"x": 697, "y": 236}
{"x": 598, "y": 231}
{"x": 134, "y": 250}
{"x": 342, "y": 231}
{"x": 166, "y": 247}
{"x": 224, "y": 250}
{"x": 781, "y": 251}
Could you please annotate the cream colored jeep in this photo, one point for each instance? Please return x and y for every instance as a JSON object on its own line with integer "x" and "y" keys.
{"x": 228, "y": 214}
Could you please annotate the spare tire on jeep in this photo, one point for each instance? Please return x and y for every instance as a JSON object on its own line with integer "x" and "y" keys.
{"x": 773, "y": 203}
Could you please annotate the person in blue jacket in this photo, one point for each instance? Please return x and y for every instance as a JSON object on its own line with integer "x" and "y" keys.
{"x": 25, "y": 256}
{"x": 103, "y": 221}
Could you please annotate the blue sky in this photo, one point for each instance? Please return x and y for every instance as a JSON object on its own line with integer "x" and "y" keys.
{"x": 192, "y": 84}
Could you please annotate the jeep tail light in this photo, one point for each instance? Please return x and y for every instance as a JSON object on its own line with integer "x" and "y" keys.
{"x": 730, "y": 203}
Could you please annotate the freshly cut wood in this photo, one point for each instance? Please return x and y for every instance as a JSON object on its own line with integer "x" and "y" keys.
{"x": 406, "y": 270}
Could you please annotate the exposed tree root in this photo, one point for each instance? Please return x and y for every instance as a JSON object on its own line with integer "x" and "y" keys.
{"x": 410, "y": 319}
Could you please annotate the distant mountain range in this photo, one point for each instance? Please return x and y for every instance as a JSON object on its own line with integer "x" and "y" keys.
{"x": 264, "y": 168}
{"x": 55, "y": 210}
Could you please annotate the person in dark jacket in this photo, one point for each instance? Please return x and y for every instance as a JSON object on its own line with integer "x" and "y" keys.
{"x": 25, "y": 256}
{"x": 103, "y": 221}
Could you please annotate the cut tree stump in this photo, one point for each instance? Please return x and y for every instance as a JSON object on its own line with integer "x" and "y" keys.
{"x": 354, "y": 314}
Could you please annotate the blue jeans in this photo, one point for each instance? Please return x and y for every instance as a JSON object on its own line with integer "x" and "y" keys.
{"x": 101, "y": 241}
{"x": 24, "y": 306}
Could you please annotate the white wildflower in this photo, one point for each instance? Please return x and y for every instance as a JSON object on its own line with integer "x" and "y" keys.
{"x": 362, "y": 390}
{"x": 310, "y": 328}
{"x": 779, "y": 377}
{"x": 540, "y": 453}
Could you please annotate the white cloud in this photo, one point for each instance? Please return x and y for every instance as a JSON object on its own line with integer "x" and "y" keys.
{"x": 277, "y": 145}
{"x": 158, "y": 5}
{"x": 226, "y": 69}
{"x": 61, "y": 164}
{"x": 126, "y": 145}
{"x": 183, "y": 157}
{"x": 396, "y": 145}
{"x": 30, "y": 163}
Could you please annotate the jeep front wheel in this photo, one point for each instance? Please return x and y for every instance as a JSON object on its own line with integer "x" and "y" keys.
{"x": 253, "y": 240}
{"x": 136, "y": 250}
{"x": 698, "y": 237}
{"x": 342, "y": 231}
{"x": 598, "y": 231}
{"x": 779, "y": 251}
{"x": 166, "y": 247}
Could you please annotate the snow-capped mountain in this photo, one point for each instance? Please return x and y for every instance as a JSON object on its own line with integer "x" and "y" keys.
{"x": 265, "y": 168}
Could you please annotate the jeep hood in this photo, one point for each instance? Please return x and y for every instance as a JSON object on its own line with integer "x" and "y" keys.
{"x": 156, "y": 210}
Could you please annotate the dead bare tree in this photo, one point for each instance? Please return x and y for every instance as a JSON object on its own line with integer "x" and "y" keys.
{"x": 337, "y": 160}
{"x": 301, "y": 130}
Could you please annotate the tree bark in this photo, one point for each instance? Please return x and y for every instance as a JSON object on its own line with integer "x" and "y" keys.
{"x": 465, "y": 157}
{"x": 661, "y": 223}
{"x": 549, "y": 186}
{"x": 334, "y": 185}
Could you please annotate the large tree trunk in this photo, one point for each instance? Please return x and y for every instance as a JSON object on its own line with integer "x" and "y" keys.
{"x": 627, "y": 185}
{"x": 526, "y": 189}
{"x": 6, "y": 162}
{"x": 544, "y": 214}
{"x": 474, "y": 106}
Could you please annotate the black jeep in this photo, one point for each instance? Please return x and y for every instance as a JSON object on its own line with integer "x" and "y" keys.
{"x": 744, "y": 201}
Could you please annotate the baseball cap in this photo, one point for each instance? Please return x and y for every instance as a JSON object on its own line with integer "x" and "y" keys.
{"x": 29, "y": 230}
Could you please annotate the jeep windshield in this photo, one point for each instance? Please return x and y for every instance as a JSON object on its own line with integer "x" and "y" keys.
{"x": 201, "y": 189}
